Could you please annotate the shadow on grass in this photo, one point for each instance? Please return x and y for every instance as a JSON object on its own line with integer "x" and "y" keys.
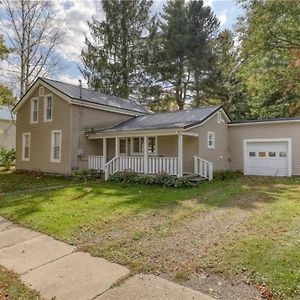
{"x": 111, "y": 198}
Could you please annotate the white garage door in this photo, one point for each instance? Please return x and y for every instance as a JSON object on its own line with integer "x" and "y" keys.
{"x": 266, "y": 158}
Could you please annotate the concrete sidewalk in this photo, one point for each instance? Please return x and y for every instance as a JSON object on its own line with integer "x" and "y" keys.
{"x": 57, "y": 271}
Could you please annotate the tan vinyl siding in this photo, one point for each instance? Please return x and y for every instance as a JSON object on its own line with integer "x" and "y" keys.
{"x": 219, "y": 155}
{"x": 84, "y": 118}
{"x": 7, "y": 134}
{"x": 237, "y": 134}
{"x": 40, "y": 148}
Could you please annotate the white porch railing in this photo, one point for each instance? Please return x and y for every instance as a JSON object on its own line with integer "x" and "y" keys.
{"x": 203, "y": 168}
{"x": 167, "y": 165}
{"x": 136, "y": 164}
{"x": 96, "y": 162}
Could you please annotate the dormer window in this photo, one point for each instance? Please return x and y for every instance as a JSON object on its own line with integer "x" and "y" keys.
{"x": 34, "y": 110}
{"x": 48, "y": 108}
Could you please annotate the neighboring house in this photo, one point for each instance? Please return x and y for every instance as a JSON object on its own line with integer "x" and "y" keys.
{"x": 7, "y": 128}
{"x": 63, "y": 127}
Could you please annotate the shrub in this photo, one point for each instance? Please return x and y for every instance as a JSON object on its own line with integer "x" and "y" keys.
{"x": 7, "y": 158}
{"x": 86, "y": 174}
{"x": 161, "y": 179}
{"x": 226, "y": 174}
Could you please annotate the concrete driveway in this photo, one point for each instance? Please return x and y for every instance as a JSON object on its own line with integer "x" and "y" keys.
{"x": 58, "y": 271}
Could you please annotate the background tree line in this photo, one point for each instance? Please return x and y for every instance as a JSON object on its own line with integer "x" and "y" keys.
{"x": 176, "y": 59}
{"x": 180, "y": 58}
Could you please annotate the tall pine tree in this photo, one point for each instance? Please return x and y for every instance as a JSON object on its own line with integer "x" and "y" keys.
{"x": 116, "y": 57}
{"x": 187, "y": 31}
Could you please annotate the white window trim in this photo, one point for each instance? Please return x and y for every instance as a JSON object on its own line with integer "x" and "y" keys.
{"x": 41, "y": 91}
{"x": 142, "y": 153}
{"x": 126, "y": 147}
{"x": 213, "y": 140}
{"x": 131, "y": 146}
{"x": 288, "y": 140}
{"x": 156, "y": 145}
{"x": 45, "y": 108}
{"x": 23, "y": 146}
{"x": 31, "y": 111}
{"x": 52, "y": 146}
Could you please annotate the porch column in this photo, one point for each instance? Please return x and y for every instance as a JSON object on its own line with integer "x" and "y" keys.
{"x": 180, "y": 155}
{"x": 104, "y": 145}
{"x": 146, "y": 141}
{"x": 117, "y": 146}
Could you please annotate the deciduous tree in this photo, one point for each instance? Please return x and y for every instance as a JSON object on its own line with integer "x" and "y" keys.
{"x": 33, "y": 33}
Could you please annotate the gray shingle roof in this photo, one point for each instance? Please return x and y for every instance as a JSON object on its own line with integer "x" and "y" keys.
{"x": 73, "y": 91}
{"x": 5, "y": 113}
{"x": 168, "y": 120}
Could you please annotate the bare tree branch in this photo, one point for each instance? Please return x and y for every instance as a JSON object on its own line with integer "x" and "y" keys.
{"x": 34, "y": 33}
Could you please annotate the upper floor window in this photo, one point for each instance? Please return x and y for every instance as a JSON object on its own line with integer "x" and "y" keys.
{"x": 48, "y": 108}
{"x": 34, "y": 110}
{"x": 220, "y": 117}
{"x": 41, "y": 91}
{"x": 26, "y": 146}
{"x": 210, "y": 140}
{"x": 56, "y": 146}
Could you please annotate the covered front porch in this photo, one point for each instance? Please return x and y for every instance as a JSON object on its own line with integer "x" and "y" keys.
{"x": 173, "y": 154}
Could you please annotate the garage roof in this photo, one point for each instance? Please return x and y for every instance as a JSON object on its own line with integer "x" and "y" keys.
{"x": 241, "y": 122}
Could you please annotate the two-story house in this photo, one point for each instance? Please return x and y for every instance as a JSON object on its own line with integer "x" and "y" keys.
{"x": 63, "y": 127}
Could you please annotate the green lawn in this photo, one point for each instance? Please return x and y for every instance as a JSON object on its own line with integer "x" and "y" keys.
{"x": 239, "y": 228}
{"x": 11, "y": 181}
{"x": 11, "y": 287}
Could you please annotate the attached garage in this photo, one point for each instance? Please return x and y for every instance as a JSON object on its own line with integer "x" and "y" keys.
{"x": 265, "y": 147}
{"x": 267, "y": 157}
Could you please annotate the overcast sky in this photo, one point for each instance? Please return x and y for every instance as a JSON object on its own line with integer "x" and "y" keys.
{"x": 75, "y": 13}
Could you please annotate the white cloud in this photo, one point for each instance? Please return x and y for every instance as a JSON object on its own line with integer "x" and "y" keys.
{"x": 72, "y": 80}
{"x": 208, "y": 2}
{"x": 223, "y": 17}
{"x": 74, "y": 16}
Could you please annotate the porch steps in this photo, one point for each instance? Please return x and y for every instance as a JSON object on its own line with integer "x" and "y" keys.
{"x": 194, "y": 178}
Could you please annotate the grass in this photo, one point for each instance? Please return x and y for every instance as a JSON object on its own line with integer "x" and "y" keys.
{"x": 12, "y": 288}
{"x": 12, "y": 181}
{"x": 235, "y": 228}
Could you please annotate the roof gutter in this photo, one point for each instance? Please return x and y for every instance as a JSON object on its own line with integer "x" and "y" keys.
{"x": 134, "y": 133}
{"x": 264, "y": 122}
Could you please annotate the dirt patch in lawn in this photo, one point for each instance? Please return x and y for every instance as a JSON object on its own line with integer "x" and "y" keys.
{"x": 170, "y": 243}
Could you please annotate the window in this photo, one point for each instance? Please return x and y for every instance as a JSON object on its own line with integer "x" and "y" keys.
{"x": 272, "y": 154}
{"x": 137, "y": 145}
{"x": 48, "y": 108}
{"x": 262, "y": 154}
{"x": 123, "y": 146}
{"x": 56, "y": 146}
{"x": 26, "y": 147}
{"x": 220, "y": 117}
{"x": 252, "y": 154}
{"x": 211, "y": 140}
{"x": 152, "y": 145}
{"x": 282, "y": 154}
{"x": 34, "y": 110}
{"x": 41, "y": 91}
